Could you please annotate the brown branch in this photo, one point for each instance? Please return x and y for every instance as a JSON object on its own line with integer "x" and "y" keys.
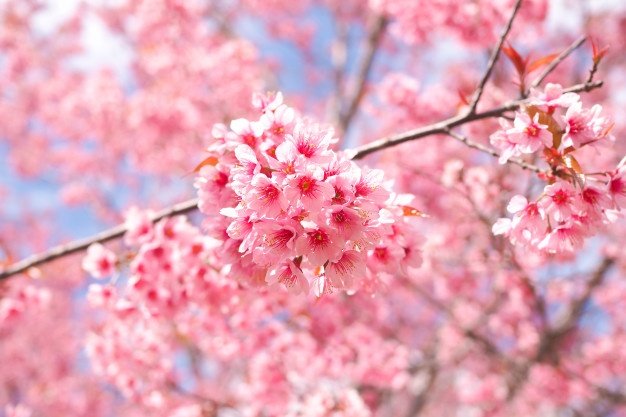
{"x": 558, "y": 60}
{"x": 485, "y": 149}
{"x": 493, "y": 59}
{"x": 357, "y": 153}
{"x": 550, "y": 339}
{"x": 373, "y": 43}
{"x": 82, "y": 244}
{"x": 446, "y": 125}
{"x": 567, "y": 321}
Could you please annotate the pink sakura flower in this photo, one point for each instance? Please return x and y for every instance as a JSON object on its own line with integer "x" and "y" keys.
{"x": 267, "y": 102}
{"x": 277, "y": 243}
{"x": 343, "y": 184}
{"x": 501, "y": 140}
{"x": 553, "y": 97}
{"x": 617, "y": 187}
{"x": 596, "y": 199}
{"x": 290, "y": 275}
{"x": 308, "y": 190}
{"x": 287, "y": 161}
{"x": 275, "y": 122}
{"x": 342, "y": 273}
{"x": 528, "y": 224}
{"x": 139, "y": 227}
{"x": 312, "y": 142}
{"x": 529, "y": 134}
{"x": 320, "y": 245}
{"x": 562, "y": 200}
{"x": 370, "y": 185}
{"x": 99, "y": 262}
{"x": 579, "y": 125}
{"x": 101, "y": 295}
{"x": 265, "y": 197}
{"x": 345, "y": 221}
{"x": 244, "y": 132}
{"x": 247, "y": 166}
{"x": 566, "y": 237}
{"x": 385, "y": 257}
{"x": 214, "y": 190}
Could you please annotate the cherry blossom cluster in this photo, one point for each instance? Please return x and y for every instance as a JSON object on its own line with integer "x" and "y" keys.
{"x": 574, "y": 204}
{"x": 293, "y": 211}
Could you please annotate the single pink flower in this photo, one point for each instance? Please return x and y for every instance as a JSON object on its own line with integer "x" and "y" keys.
{"x": 290, "y": 275}
{"x": 265, "y": 197}
{"x": 504, "y": 143}
{"x": 553, "y": 97}
{"x": 320, "y": 245}
{"x": 566, "y": 237}
{"x": 342, "y": 273}
{"x": 309, "y": 191}
{"x": 529, "y": 134}
{"x": 345, "y": 221}
{"x": 277, "y": 242}
{"x": 579, "y": 126}
{"x": 100, "y": 261}
{"x": 617, "y": 187}
{"x": 562, "y": 200}
{"x": 312, "y": 141}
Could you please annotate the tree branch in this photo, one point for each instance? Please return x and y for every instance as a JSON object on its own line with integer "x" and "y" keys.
{"x": 357, "y": 153}
{"x": 373, "y": 42}
{"x": 82, "y": 244}
{"x": 485, "y": 149}
{"x": 446, "y": 125}
{"x": 558, "y": 60}
{"x": 493, "y": 59}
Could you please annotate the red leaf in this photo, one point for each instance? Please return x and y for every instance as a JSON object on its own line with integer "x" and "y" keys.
{"x": 412, "y": 211}
{"x": 541, "y": 62}
{"x": 598, "y": 54}
{"x": 209, "y": 160}
{"x": 517, "y": 60}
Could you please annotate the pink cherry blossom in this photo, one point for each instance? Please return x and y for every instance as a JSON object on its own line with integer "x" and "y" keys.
{"x": 529, "y": 134}
{"x": 100, "y": 261}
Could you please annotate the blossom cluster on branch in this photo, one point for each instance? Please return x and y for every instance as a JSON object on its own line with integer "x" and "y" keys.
{"x": 296, "y": 212}
{"x": 345, "y": 254}
{"x": 574, "y": 204}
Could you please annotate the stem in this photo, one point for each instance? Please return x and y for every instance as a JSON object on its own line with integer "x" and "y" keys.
{"x": 558, "y": 60}
{"x": 492, "y": 152}
{"x": 493, "y": 59}
{"x": 357, "y": 153}
{"x": 82, "y": 244}
{"x": 373, "y": 43}
{"x": 445, "y": 125}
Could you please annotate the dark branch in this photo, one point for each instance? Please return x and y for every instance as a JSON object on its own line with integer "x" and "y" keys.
{"x": 446, "y": 125}
{"x": 485, "y": 149}
{"x": 373, "y": 43}
{"x": 356, "y": 153}
{"x": 82, "y": 244}
{"x": 558, "y": 60}
{"x": 493, "y": 59}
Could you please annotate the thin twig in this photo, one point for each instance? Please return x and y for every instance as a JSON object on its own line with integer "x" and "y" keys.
{"x": 82, "y": 244}
{"x": 356, "y": 153}
{"x": 492, "y": 60}
{"x": 558, "y": 60}
{"x": 373, "y": 43}
{"x": 485, "y": 149}
{"x": 574, "y": 311}
{"x": 551, "y": 337}
{"x": 338, "y": 59}
{"x": 445, "y": 125}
